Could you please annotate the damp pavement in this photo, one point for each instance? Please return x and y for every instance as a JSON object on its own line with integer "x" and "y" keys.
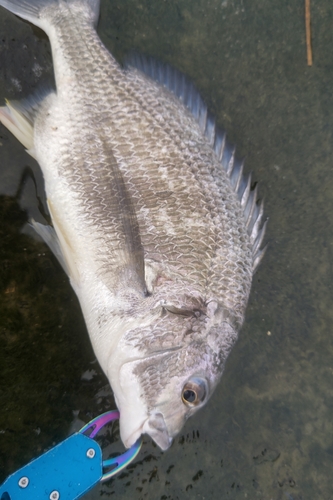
{"x": 267, "y": 431}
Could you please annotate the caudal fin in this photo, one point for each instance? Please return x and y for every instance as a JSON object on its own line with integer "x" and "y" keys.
{"x": 33, "y": 10}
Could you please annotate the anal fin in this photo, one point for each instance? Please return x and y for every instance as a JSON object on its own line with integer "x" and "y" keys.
{"x": 18, "y": 122}
{"x": 19, "y": 116}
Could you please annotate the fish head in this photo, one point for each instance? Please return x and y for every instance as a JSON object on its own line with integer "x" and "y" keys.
{"x": 184, "y": 357}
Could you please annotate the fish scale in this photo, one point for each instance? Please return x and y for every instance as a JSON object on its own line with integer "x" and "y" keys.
{"x": 128, "y": 135}
{"x": 153, "y": 221}
{"x": 222, "y": 210}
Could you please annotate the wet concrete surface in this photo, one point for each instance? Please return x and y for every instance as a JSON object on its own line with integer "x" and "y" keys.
{"x": 267, "y": 432}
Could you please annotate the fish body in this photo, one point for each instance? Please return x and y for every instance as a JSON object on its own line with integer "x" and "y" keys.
{"x": 153, "y": 221}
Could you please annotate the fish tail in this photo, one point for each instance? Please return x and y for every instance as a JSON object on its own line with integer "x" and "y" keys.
{"x": 35, "y": 11}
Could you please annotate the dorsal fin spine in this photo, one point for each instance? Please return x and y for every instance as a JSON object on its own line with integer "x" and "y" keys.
{"x": 255, "y": 219}
{"x": 246, "y": 192}
{"x": 259, "y": 238}
{"x": 219, "y": 145}
{"x": 237, "y": 174}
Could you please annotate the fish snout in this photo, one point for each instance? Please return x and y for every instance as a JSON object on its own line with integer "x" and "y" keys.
{"x": 156, "y": 428}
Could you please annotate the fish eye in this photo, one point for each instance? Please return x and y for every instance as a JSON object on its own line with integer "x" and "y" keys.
{"x": 194, "y": 392}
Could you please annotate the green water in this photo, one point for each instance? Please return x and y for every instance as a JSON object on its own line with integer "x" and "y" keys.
{"x": 267, "y": 432}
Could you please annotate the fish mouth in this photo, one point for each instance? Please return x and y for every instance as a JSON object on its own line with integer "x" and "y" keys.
{"x": 156, "y": 428}
{"x": 136, "y": 418}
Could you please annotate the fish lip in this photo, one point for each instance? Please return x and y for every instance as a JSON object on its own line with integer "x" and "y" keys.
{"x": 132, "y": 439}
{"x": 156, "y": 428}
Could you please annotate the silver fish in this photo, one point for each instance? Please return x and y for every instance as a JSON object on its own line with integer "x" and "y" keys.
{"x": 153, "y": 221}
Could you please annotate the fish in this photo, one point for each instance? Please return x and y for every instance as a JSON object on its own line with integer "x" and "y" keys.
{"x": 153, "y": 221}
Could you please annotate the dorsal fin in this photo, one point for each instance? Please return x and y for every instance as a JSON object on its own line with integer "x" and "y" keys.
{"x": 177, "y": 83}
